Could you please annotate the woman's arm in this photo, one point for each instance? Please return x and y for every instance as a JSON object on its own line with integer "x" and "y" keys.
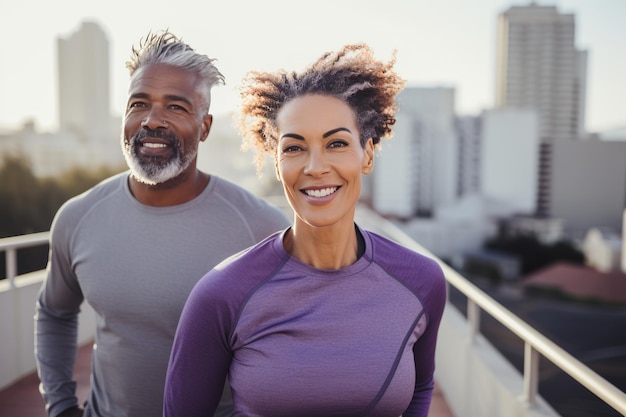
{"x": 200, "y": 357}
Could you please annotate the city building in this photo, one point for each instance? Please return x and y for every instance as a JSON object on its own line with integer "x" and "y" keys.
{"x": 84, "y": 83}
{"x": 417, "y": 170}
{"x": 510, "y": 144}
{"x": 469, "y": 133}
{"x": 539, "y": 67}
{"x": 588, "y": 185}
{"x": 603, "y": 249}
{"x": 88, "y": 135}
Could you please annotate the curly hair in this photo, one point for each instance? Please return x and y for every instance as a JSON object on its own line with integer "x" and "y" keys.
{"x": 164, "y": 47}
{"x": 351, "y": 74}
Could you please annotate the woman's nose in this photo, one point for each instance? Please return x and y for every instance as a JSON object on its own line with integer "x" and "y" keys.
{"x": 316, "y": 163}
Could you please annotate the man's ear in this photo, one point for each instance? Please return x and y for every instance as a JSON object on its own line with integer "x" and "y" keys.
{"x": 368, "y": 157}
{"x": 207, "y": 122}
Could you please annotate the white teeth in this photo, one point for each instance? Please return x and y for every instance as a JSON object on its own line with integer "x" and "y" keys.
{"x": 154, "y": 145}
{"x": 321, "y": 193}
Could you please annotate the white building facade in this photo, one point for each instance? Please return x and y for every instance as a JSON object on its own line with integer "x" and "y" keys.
{"x": 510, "y": 144}
{"x": 417, "y": 170}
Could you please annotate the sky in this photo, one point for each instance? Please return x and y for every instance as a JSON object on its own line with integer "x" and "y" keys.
{"x": 438, "y": 43}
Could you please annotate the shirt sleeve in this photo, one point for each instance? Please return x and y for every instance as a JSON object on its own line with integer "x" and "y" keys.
{"x": 201, "y": 354}
{"x": 424, "y": 349}
{"x": 56, "y": 326}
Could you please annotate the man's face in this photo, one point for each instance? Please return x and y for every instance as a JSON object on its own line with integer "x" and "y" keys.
{"x": 166, "y": 118}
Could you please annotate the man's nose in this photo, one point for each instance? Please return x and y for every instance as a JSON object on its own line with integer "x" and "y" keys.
{"x": 154, "y": 119}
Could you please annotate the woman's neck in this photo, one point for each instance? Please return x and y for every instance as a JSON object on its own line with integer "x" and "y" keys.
{"x": 330, "y": 247}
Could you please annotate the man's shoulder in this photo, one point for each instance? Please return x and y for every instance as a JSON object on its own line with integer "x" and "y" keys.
{"x": 99, "y": 192}
{"x": 257, "y": 260}
{"x": 243, "y": 199}
{"x": 231, "y": 190}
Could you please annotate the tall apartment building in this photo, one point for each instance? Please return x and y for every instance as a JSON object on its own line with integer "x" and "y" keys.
{"x": 538, "y": 67}
{"x": 84, "y": 83}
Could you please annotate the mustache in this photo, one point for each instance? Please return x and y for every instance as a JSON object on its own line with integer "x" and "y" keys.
{"x": 158, "y": 133}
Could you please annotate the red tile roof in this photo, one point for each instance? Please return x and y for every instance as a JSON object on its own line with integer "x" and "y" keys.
{"x": 581, "y": 282}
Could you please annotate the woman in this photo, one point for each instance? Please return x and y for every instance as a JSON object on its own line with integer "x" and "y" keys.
{"x": 324, "y": 318}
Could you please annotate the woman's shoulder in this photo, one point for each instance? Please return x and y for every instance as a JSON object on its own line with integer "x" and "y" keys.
{"x": 418, "y": 270}
{"x": 390, "y": 251}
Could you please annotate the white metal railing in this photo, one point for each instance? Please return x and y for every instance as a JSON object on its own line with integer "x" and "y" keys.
{"x": 535, "y": 343}
{"x": 10, "y": 245}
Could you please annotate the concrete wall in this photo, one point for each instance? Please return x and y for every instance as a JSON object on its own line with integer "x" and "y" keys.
{"x": 17, "y": 309}
{"x": 477, "y": 381}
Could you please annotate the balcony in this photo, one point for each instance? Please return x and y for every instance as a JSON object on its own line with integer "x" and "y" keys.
{"x": 473, "y": 378}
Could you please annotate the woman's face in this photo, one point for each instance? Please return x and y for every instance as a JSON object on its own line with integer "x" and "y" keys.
{"x": 319, "y": 159}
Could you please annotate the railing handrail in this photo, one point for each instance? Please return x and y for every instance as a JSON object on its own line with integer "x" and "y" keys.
{"x": 534, "y": 340}
{"x": 10, "y": 245}
{"x": 24, "y": 241}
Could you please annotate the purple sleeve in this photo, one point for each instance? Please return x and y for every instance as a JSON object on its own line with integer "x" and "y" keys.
{"x": 201, "y": 356}
{"x": 434, "y": 301}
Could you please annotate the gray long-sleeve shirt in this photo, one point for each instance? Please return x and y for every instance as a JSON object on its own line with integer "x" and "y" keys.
{"x": 135, "y": 265}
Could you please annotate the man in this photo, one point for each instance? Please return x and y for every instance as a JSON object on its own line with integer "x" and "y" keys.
{"x": 135, "y": 245}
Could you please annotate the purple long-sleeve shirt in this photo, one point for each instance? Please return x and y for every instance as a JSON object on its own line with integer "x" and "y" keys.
{"x": 295, "y": 340}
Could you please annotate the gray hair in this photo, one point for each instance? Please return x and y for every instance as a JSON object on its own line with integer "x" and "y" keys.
{"x": 165, "y": 48}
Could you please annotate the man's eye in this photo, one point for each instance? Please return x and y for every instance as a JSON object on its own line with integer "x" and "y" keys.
{"x": 136, "y": 104}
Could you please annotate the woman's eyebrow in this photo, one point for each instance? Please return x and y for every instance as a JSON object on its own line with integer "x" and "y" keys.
{"x": 292, "y": 135}
{"x": 325, "y": 135}
{"x": 332, "y": 132}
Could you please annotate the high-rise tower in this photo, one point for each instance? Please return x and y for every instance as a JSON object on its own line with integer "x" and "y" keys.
{"x": 84, "y": 83}
{"x": 539, "y": 67}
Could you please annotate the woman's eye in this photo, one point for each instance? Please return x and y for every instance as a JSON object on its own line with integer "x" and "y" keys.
{"x": 292, "y": 148}
{"x": 337, "y": 144}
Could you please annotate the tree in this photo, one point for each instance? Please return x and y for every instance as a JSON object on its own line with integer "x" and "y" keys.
{"x": 28, "y": 204}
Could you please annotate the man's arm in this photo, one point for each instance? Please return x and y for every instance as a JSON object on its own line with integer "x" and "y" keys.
{"x": 72, "y": 412}
{"x": 56, "y": 327}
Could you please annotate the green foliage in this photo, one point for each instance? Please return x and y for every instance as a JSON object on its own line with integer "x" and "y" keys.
{"x": 28, "y": 204}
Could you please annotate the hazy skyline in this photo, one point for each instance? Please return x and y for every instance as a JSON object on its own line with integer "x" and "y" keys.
{"x": 447, "y": 42}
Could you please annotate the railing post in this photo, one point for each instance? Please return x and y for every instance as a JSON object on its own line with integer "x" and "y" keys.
{"x": 11, "y": 267}
{"x": 473, "y": 318}
{"x": 531, "y": 373}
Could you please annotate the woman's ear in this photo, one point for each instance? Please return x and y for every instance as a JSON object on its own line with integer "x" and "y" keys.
{"x": 368, "y": 157}
{"x": 276, "y": 170}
